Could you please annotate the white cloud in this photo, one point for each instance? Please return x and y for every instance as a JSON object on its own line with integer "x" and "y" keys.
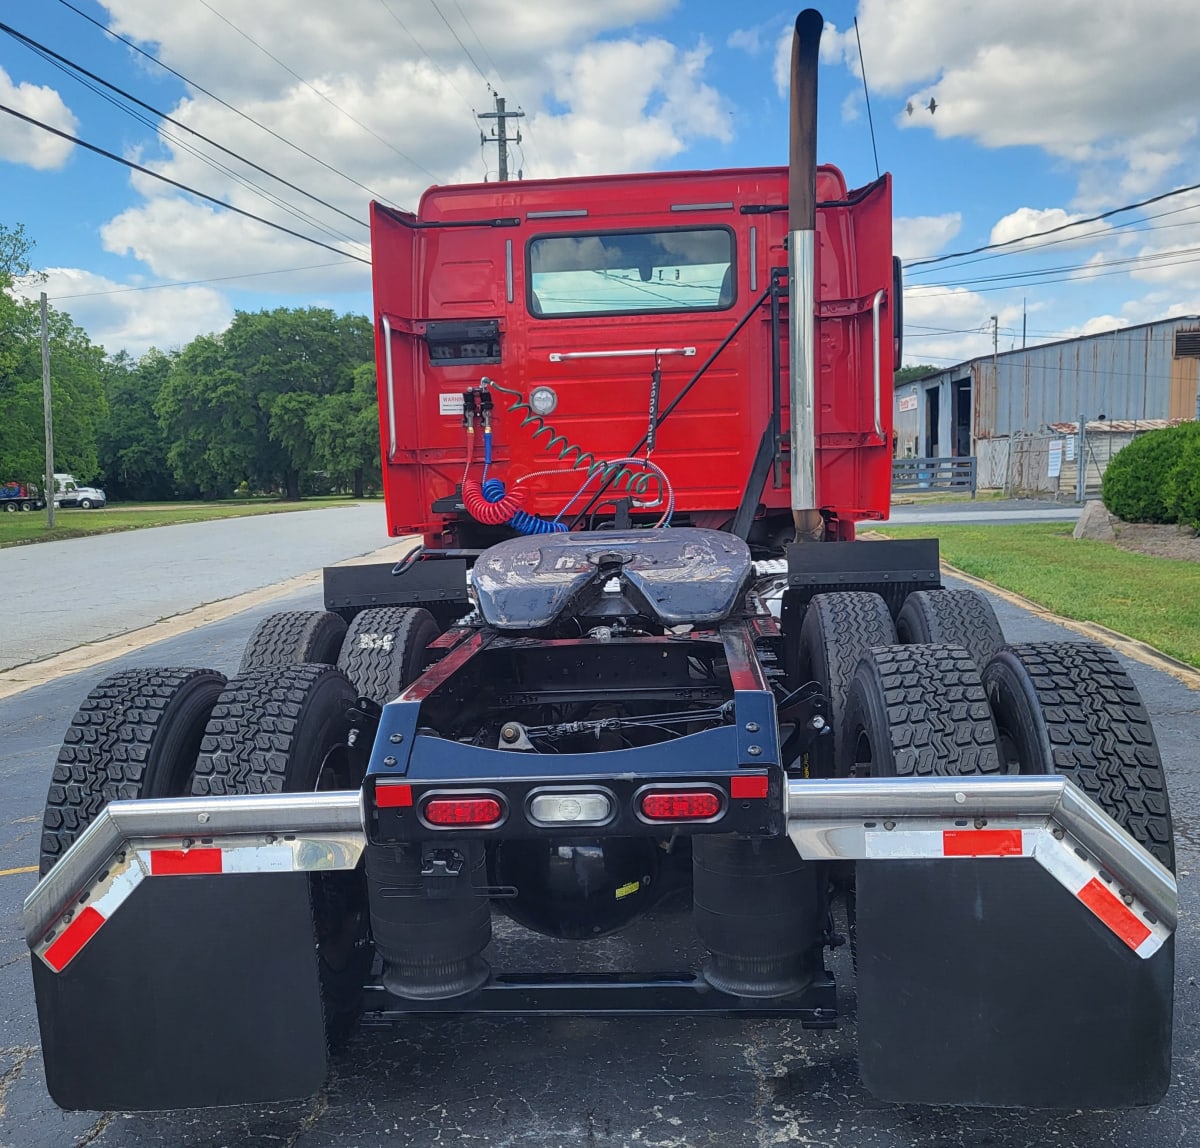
{"x": 632, "y": 104}
{"x": 25, "y": 143}
{"x": 1090, "y": 81}
{"x": 117, "y": 318}
{"x": 390, "y": 106}
{"x": 834, "y": 49}
{"x": 922, "y": 236}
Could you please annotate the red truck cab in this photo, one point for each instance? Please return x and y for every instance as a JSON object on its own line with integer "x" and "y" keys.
{"x": 568, "y": 293}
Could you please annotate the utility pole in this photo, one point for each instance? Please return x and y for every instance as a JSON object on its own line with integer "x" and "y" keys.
{"x": 500, "y": 133}
{"x": 49, "y": 416}
{"x": 1023, "y": 318}
{"x": 996, "y": 353}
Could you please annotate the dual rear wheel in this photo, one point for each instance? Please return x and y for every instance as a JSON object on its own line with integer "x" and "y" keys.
{"x": 281, "y": 725}
{"x": 949, "y": 697}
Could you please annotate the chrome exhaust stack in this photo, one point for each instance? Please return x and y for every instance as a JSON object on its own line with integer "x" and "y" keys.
{"x": 802, "y": 239}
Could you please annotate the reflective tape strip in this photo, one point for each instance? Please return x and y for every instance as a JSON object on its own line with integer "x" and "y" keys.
{"x": 175, "y": 862}
{"x": 907, "y": 844}
{"x": 128, "y": 868}
{"x": 1046, "y": 842}
{"x": 1102, "y": 893}
{"x": 82, "y": 929}
{"x": 62, "y": 944}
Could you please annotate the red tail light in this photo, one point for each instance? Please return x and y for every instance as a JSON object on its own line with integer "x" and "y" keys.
{"x": 468, "y": 810}
{"x": 680, "y": 805}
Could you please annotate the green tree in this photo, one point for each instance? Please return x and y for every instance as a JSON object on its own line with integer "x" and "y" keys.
{"x": 75, "y": 371}
{"x": 132, "y": 446}
{"x": 908, "y": 374}
{"x": 345, "y": 432}
{"x": 238, "y": 406}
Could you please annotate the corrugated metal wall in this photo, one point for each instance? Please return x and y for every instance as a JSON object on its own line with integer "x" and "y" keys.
{"x": 1127, "y": 374}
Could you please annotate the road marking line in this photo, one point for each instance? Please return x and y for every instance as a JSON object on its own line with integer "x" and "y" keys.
{"x": 17, "y": 679}
{"x": 20, "y": 869}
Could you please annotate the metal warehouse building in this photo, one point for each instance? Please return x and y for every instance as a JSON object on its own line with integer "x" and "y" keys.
{"x": 1142, "y": 373}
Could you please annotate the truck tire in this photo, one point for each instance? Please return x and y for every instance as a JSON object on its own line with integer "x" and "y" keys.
{"x": 136, "y": 735}
{"x": 838, "y": 629}
{"x": 384, "y": 649}
{"x": 26, "y": 506}
{"x": 917, "y": 711}
{"x": 1070, "y": 708}
{"x": 294, "y": 637}
{"x": 278, "y": 730}
{"x": 85, "y": 504}
{"x": 10, "y": 506}
{"x": 951, "y": 618}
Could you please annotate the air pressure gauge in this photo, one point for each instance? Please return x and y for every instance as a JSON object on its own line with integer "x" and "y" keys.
{"x": 543, "y": 400}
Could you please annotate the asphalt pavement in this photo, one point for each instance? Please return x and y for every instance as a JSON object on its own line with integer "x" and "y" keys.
{"x": 637, "y": 1082}
{"x": 84, "y": 589}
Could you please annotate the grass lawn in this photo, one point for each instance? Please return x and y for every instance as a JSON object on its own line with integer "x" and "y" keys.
{"x": 19, "y": 528}
{"x": 1156, "y": 600}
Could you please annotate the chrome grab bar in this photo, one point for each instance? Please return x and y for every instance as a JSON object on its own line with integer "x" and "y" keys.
{"x": 563, "y": 356}
{"x": 391, "y": 401}
{"x": 880, "y": 295}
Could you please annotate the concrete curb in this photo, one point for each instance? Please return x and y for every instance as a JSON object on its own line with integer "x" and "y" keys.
{"x": 1131, "y": 647}
{"x": 17, "y": 679}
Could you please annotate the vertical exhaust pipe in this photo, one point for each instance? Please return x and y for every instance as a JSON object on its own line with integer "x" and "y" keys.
{"x": 802, "y": 241}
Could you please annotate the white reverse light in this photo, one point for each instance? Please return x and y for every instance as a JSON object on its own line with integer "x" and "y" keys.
{"x": 570, "y": 808}
{"x": 543, "y": 400}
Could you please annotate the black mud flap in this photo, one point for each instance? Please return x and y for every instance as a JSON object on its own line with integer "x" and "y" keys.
{"x": 985, "y": 982}
{"x": 200, "y": 991}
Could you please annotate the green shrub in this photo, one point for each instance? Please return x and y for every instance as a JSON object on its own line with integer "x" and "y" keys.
{"x": 1135, "y": 481}
{"x": 1181, "y": 488}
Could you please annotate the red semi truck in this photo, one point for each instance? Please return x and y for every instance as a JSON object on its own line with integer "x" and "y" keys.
{"x": 637, "y": 674}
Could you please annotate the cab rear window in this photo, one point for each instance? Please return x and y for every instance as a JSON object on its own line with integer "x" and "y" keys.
{"x": 631, "y": 272}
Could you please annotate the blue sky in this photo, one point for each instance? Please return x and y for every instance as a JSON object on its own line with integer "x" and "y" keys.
{"x": 1045, "y": 113}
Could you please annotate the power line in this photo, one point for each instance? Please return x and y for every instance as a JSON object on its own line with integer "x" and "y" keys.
{"x": 474, "y": 62}
{"x": 1061, "y": 227}
{"x": 471, "y": 29}
{"x": 1149, "y": 261}
{"x": 198, "y": 282}
{"x": 86, "y": 78}
{"x": 175, "y": 183}
{"x": 317, "y": 92}
{"x": 1126, "y": 228}
{"x": 425, "y": 52}
{"x": 225, "y": 104}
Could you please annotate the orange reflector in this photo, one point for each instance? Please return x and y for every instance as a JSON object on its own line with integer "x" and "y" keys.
{"x": 680, "y": 805}
{"x": 389, "y": 795}
{"x": 477, "y": 811}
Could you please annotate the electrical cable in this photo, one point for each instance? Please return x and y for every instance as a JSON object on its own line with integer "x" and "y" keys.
{"x": 425, "y": 52}
{"x": 71, "y": 64}
{"x": 198, "y": 282}
{"x": 184, "y": 146}
{"x": 474, "y": 62}
{"x": 225, "y": 104}
{"x": 320, "y": 94}
{"x": 175, "y": 183}
{"x": 1055, "y": 230}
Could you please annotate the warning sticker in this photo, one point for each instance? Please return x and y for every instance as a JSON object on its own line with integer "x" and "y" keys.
{"x": 450, "y": 404}
{"x": 628, "y": 889}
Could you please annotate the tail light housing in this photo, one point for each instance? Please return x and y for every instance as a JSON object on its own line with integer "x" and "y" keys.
{"x": 463, "y": 810}
{"x": 675, "y": 805}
